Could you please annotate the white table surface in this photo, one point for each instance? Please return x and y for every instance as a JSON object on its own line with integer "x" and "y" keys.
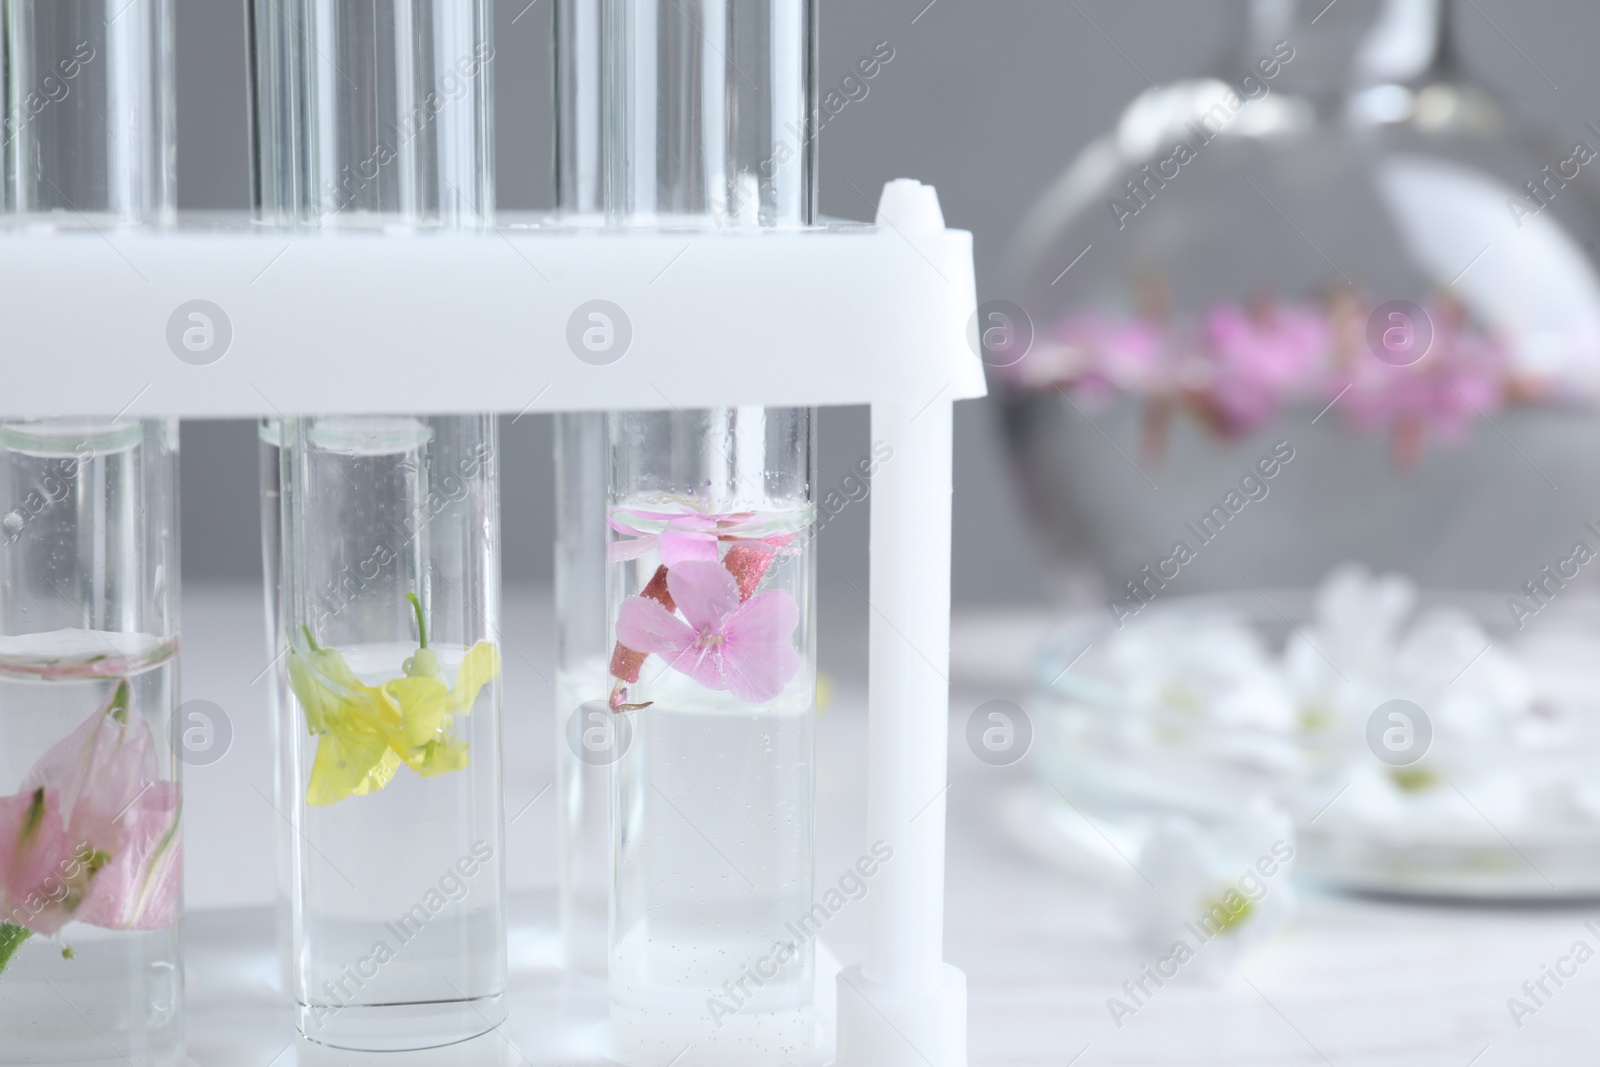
{"x": 1356, "y": 982}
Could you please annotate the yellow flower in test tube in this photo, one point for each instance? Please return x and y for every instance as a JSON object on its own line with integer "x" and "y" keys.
{"x": 365, "y": 732}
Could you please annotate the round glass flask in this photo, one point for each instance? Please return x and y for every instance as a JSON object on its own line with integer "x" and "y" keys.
{"x": 1336, "y": 238}
{"x": 1298, "y": 378}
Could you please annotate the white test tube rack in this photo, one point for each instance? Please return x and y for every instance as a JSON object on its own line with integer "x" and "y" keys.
{"x": 842, "y": 314}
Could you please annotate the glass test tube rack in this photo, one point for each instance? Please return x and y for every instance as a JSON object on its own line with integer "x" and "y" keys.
{"x": 543, "y": 318}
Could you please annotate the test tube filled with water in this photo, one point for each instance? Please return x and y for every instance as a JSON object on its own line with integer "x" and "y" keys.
{"x": 711, "y": 512}
{"x": 91, "y": 962}
{"x": 377, "y": 117}
{"x": 391, "y": 582}
{"x": 91, "y": 887}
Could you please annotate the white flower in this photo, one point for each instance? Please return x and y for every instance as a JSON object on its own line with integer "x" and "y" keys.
{"x": 1474, "y": 692}
{"x": 1420, "y": 802}
{"x": 1221, "y": 890}
{"x": 1337, "y": 664}
{"x": 1210, "y": 667}
{"x": 1359, "y": 616}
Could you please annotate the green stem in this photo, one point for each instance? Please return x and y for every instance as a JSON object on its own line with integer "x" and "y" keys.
{"x": 120, "y": 701}
{"x": 11, "y": 938}
{"x": 422, "y": 629}
{"x": 312, "y": 641}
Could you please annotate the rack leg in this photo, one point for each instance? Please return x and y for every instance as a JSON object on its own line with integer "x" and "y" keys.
{"x": 905, "y": 1007}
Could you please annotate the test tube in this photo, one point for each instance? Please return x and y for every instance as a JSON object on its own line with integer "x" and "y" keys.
{"x": 270, "y": 463}
{"x": 372, "y": 115}
{"x": 708, "y": 124}
{"x": 585, "y": 735}
{"x": 580, "y": 110}
{"x": 378, "y": 116}
{"x": 586, "y": 738}
{"x": 87, "y": 112}
{"x": 713, "y": 677}
{"x": 710, "y": 112}
{"x": 391, "y": 601}
{"x": 91, "y": 879}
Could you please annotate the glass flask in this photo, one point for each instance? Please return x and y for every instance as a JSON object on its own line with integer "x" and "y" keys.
{"x": 1299, "y": 386}
{"x": 1337, "y": 216}
{"x": 87, "y": 111}
{"x": 711, "y": 612}
{"x": 91, "y": 846}
{"x": 391, "y": 601}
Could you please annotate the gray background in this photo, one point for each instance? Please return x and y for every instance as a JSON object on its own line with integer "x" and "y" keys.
{"x": 987, "y": 100}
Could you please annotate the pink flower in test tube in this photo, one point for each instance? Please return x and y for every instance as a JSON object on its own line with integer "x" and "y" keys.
{"x": 680, "y": 536}
{"x": 683, "y": 536}
{"x": 744, "y": 648}
{"x": 38, "y": 868}
{"x": 93, "y": 835}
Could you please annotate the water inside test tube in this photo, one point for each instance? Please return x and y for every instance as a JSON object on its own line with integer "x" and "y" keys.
{"x": 584, "y": 754}
{"x": 401, "y": 940}
{"x": 714, "y": 881}
{"x": 116, "y": 999}
{"x": 402, "y": 930}
{"x": 86, "y": 996}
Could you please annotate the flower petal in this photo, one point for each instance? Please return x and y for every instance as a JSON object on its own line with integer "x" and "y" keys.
{"x": 381, "y": 775}
{"x": 760, "y": 657}
{"x": 706, "y": 594}
{"x": 98, "y": 769}
{"x": 632, "y": 548}
{"x": 645, "y": 626}
{"x": 323, "y": 683}
{"x": 141, "y": 887}
{"x": 636, "y": 520}
{"x": 345, "y": 758}
{"x": 706, "y": 665}
{"x": 479, "y": 667}
{"x": 681, "y": 546}
{"x": 443, "y": 756}
{"x": 768, "y": 619}
{"x": 758, "y": 673}
{"x": 35, "y": 861}
{"x": 421, "y": 704}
